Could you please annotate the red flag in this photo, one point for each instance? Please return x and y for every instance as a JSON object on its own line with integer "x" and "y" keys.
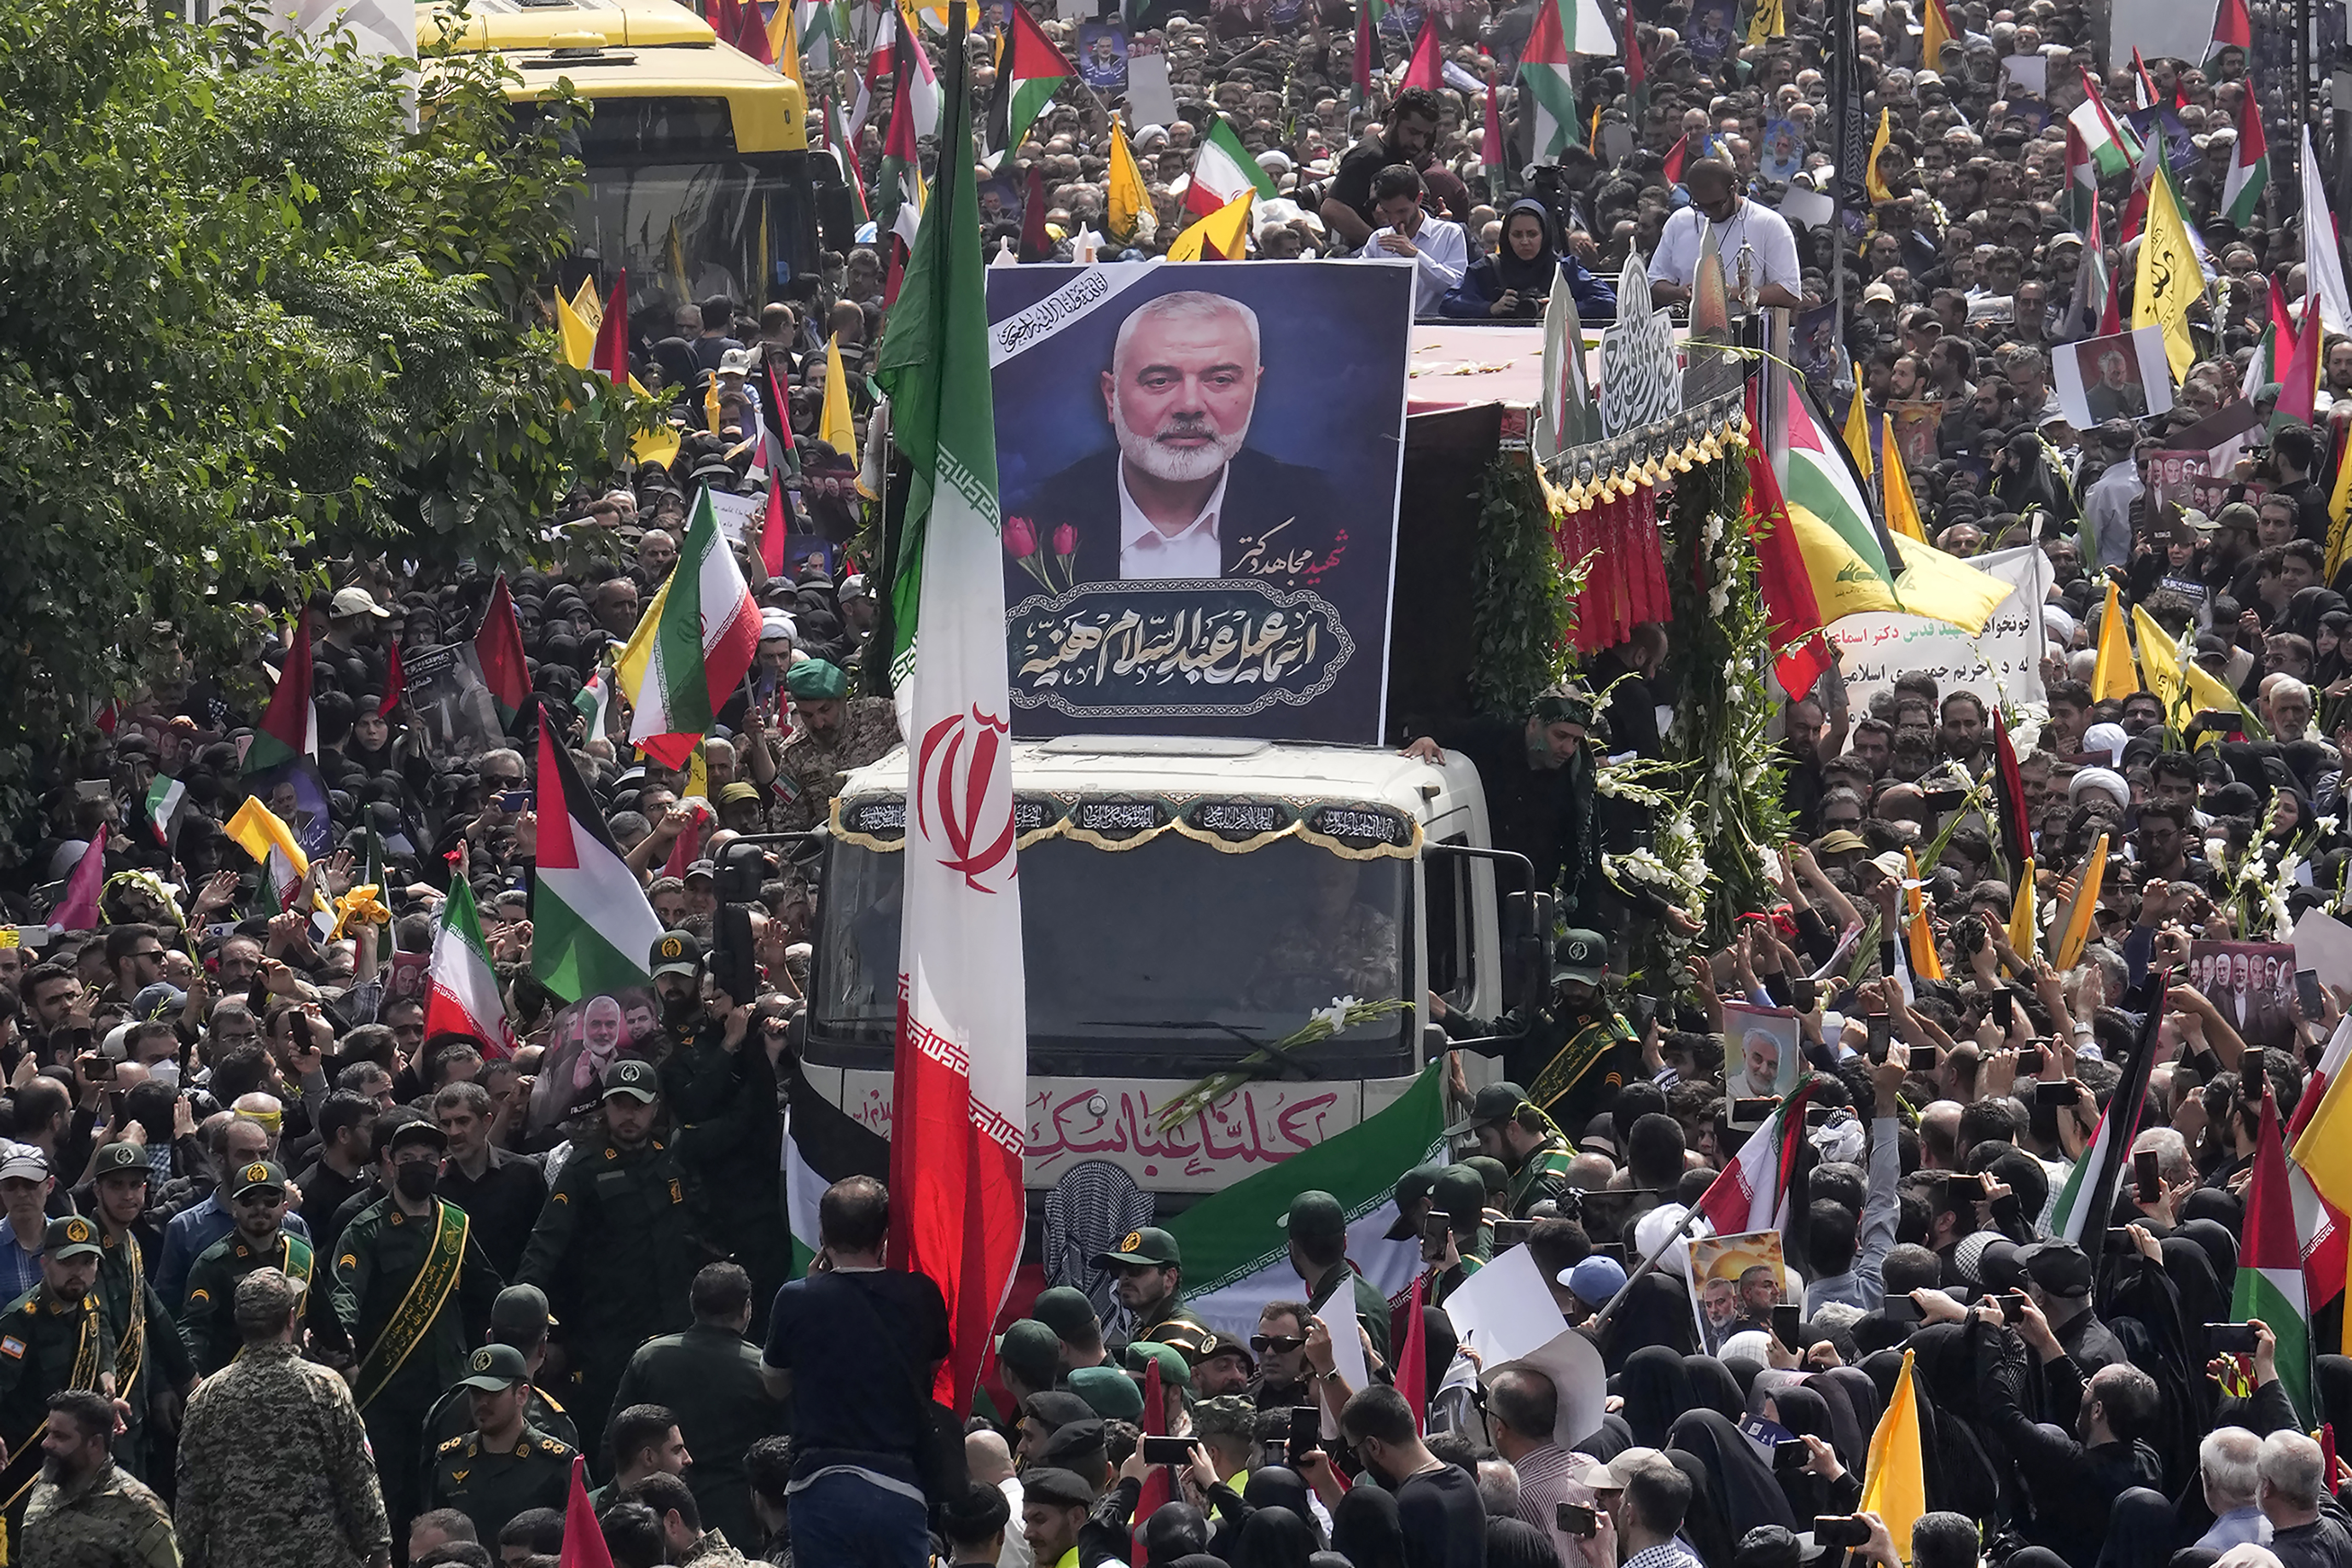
{"x": 2233, "y": 25}
{"x": 750, "y": 34}
{"x": 497, "y": 649}
{"x": 395, "y": 682}
{"x": 2008, "y": 794}
{"x": 1036, "y": 245}
{"x": 686, "y": 847}
{"x": 78, "y": 909}
{"x": 1156, "y": 1489}
{"x": 773, "y": 530}
{"x": 1367, "y": 27}
{"x": 2299, "y": 381}
{"x": 1413, "y": 1356}
{"x": 1491, "y": 150}
{"x": 1792, "y": 615}
{"x": 290, "y": 725}
{"x": 1673, "y": 172}
{"x": 1637, "y": 75}
{"x": 1425, "y": 68}
{"x": 611, "y": 357}
{"x": 584, "y": 1538}
{"x": 2111, "y": 314}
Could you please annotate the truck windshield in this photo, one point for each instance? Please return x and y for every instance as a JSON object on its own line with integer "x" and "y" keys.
{"x": 1168, "y": 959}
{"x": 709, "y": 227}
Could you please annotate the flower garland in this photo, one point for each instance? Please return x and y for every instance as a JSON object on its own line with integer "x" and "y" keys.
{"x": 1344, "y": 1013}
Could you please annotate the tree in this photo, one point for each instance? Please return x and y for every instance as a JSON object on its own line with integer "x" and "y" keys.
{"x": 257, "y": 319}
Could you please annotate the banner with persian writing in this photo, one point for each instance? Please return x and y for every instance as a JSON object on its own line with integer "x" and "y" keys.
{"x": 1199, "y": 468}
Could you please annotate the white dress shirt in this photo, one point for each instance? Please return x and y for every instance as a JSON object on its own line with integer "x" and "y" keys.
{"x": 1444, "y": 257}
{"x": 1760, "y": 227}
{"x": 1193, "y": 550}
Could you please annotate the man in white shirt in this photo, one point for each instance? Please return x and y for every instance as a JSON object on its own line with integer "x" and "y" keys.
{"x": 1716, "y": 203}
{"x": 1439, "y": 252}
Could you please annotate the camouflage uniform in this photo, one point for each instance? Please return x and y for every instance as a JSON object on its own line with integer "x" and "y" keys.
{"x": 808, "y": 770}
{"x": 46, "y": 1345}
{"x": 109, "y": 1521}
{"x": 274, "y": 1470}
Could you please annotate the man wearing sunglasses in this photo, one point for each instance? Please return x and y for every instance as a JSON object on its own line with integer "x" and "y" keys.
{"x": 257, "y": 1200}
{"x": 1280, "y": 1346}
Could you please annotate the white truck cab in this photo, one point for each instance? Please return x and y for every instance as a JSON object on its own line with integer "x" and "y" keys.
{"x": 1185, "y": 901}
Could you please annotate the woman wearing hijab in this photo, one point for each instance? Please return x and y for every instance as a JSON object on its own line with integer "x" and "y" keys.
{"x": 1656, "y": 1310}
{"x": 1713, "y": 1385}
{"x": 1514, "y": 283}
{"x": 1703, "y": 1528}
{"x": 1743, "y": 1482}
{"x": 1825, "y": 1485}
{"x": 1515, "y": 1543}
{"x": 1656, "y": 1387}
{"x": 1274, "y": 1538}
{"x": 1365, "y": 1529}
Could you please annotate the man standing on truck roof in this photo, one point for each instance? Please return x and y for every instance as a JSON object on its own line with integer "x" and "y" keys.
{"x": 1539, "y": 779}
{"x": 1150, "y": 1285}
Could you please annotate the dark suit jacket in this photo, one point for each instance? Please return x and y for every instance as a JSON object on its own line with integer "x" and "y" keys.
{"x": 1281, "y": 522}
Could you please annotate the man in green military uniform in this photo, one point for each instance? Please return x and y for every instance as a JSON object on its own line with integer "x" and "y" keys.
{"x": 505, "y": 1465}
{"x": 1317, "y": 1230}
{"x": 256, "y": 1197}
{"x": 1575, "y": 1054}
{"x": 834, "y": 734}
{"x": 611, "y": 1249}
{"x": 1150, "y": 1285}
{"x": 52, "y": 1338}
{"x": 151, "y": 1363}
{"x": 1509, "y": 1128}
{"x": 517, "y": 1318}
{"x": 1457, "y": 1198}
{"x": 709, "y": 1377}
{"x": 408, "y": 1286}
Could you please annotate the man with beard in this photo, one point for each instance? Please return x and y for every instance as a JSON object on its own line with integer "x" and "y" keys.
{"x": 833, "y": 734}
{"x": 1181, "y": 495}
{"x": 86, "y": 1509}
{"x": 54, "y": 1337}
{"x": 1437, "y": 1503}
{"x": 149, "y": 1350}
{"x": 612, "y": 1249}
{"x": 412, "y": 1291}
{"x": 1149, "y": 1283}
{"x": 603, "y": 1029}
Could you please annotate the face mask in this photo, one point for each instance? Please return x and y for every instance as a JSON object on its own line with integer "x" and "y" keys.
{"x": 166, "y": 1073}
{"x": 418, "y": 1180}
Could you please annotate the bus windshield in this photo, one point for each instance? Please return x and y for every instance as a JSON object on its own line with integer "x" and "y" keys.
{"x": 691, "y": 230}
{"x": 1168, "y": 959}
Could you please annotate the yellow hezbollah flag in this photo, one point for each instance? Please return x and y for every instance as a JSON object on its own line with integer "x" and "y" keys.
{"x": 1857, "y": 434}
{"x": 784, "y": 38}
{"x": 1871, "y": 182}
{"x": 1896, "y": 1491}
{"x": 697, "y": 774}
{"x": 1937, "y": 32}
{"x": 1924, "y": 964}
{"x": 587, "y": 305}
{"x": 2170, "y": 277}
{"x": 835, "y": 428}
{"x": 2339, "y": 507}
{"x": 1223, "y": 236}
{"x": 257, "y": 830}
{"x": 1124, "y": 194}
{"x": 1901, "y": 506}
{"x": 579, "y": 337}
{"x": 2115, "y": 676}
{"x": 2021, "y": 931}
{"x": 2160, "y": 659}
{"x": 2074, "y": 930}
{"x": 1769, "y": 22}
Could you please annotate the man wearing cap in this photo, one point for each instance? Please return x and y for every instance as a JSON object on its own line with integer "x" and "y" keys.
{"x": 1539, "y": 780}
{"x": 2058, "y": 1281}
{"x": 1316, "y": 1227}
{"x": 1221, "y": 1366}
{"x": 275, "y": 1467}
{"x": 1509, "y": 1128}
{"x": 257, "y": 1199}
{"x": 1055, "y": 1504}
{"x": 412, "y": 1291}
{"x": 1575, "y": 1054}
{"x": 612, "y": 1249}
{"x": 504, "y": 1465}
{"x": 354, "y": 636}
{"x": 709, "y": 1376}
{"x": 518, "y": 1317}
{"x": 151, "y": 1363}
{"x": 1458, "y": 1198}
{"x": 53, "y": 1338}
{"x": 1151, "y": 1283}
{"x": 834, "y": 734}
{"x": 1070, "y": 1314}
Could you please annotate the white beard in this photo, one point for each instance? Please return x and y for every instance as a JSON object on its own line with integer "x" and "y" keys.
{"x": 1169, "y": 464}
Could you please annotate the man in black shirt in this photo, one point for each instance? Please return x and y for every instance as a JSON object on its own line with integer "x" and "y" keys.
{"x": 1410, "y": 132}
{"x": 2293, "y": 1472}
{"x": 2071, "y": 1481}
{"x": 1538, "y": 781}
{"x": 501, "y": 1192}
{"x": 2058, "y": 1277}
{"x": 341, "y": 1173}
{"x": 1437, "y": 1503}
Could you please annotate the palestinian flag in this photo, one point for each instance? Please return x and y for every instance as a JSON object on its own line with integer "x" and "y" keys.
{"x": 836, "y": 143}
{"x": 1030, "y": 71}
{"x": 290, "y": 726}
{"x": 462, "y": 996}
{"x": 897, "y": 211}
{"x": 591, "y": 928}
{"x": 2270, "y": 1264}
{"x": 595, "y": 702}
{"x": 896, "y": 48}
{"x": 1222, "y": 169}
{"x": 1544, "y": 70}
{"x": 2087, "y": 1199}
{"x": 1851, "y": 561}
{"x": 77, "y": 905}
{"x": 2233, "y": 27}
{"x": 2108, "y": 146}
{"x": 1232, "y": 1240}
{"x": 693, "y": 646}
{"x": 2078, "y": 203}
{"x": 1937, "y": 32}
{"x": 823, "y": 1144}
{"x": 1422, "y": 69}
{"x": 1369, "y": 14}
{"x": 497, "y": 654}
{"x": 2144, "y": 91}
{"x": 1752, "y": 1192}
{"x": 167, "y": 802}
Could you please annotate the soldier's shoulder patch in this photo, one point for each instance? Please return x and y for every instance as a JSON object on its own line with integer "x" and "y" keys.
{"x": 347, "y": 1260}
{"x": 453, "y": 1444}
{"x": 560, "y": 1197}
{"x": 458, "y": 1478}
{"x": 550, "y": 1446}
{"x": 675, "y": 1197}
{"x": 11, "y": 1346}
{"x": 196, "y": 1296}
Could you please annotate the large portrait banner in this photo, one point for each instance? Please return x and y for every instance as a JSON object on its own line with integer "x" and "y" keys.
{"x": 1199, "y": 465}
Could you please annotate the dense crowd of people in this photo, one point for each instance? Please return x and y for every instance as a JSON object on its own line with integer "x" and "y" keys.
{"x": 294, "y": 1281}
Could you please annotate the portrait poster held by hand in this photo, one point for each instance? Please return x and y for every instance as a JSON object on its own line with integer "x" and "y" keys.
{"x": 2250, "y": 985}
{"x": 1200, "y": 468}
{"x": 1764, "y": 1052}
{"x": 2122, "y": 377}
{"x": 589, "y": 1036}
{"x": 1734, "y": 1283}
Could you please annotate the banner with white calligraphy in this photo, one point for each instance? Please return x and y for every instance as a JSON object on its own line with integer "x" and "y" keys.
{"x": 1200, "y": 465}
{"x": 2004, "y": 665}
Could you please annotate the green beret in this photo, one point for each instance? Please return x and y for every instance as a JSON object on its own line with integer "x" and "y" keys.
{"x": 1175, "y": 1369}
{"x": 1111, "y": 1392}
{"x": 814, "y": 679}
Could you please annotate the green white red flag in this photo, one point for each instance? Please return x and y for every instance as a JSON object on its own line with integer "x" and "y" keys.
{"x": 463, "y": 996}
{"x": 2270, "y": 1264}
{"x": 1222, "y": 170}
{"x": 692, "y": 646}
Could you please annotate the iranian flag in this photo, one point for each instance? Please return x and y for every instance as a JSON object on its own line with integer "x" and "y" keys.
{"x": 498, "y": 655}
{"x": 822, "y": 1144}
{"x": 921, "y": 83}
{"x": 2270, "y": 1264}
{"x": 1222, "y": 169}
{"x": 591, "y": 930}
{"x": 960, "y": 1084}
{"x": 2250, "y": 167}
{"x": 1233, "y": 1241}
{"x": 2317, "y": 1220}
{"x": 819, "y": 53}
{"x": 463, "y": 998}
{"x": 1544, "y": 72}
{"x": 1752, "y": 1192}
{"x": 2110, "y": 148}
{"x": 693, "y": 646}
{"x": 1034, "y": 68}
{"x": 167, "y": 799}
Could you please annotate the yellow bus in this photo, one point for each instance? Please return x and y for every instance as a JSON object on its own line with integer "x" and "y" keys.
{"x": 699, "y": 177}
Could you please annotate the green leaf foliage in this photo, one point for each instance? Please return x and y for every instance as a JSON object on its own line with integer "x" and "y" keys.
{"x": 259, "y": 319}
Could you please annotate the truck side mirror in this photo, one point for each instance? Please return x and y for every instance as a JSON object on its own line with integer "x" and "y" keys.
{"x": 1525, "y": 915}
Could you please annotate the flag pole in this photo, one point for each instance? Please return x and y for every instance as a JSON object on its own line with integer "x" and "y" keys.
{"x": 1649, "y": 1263}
